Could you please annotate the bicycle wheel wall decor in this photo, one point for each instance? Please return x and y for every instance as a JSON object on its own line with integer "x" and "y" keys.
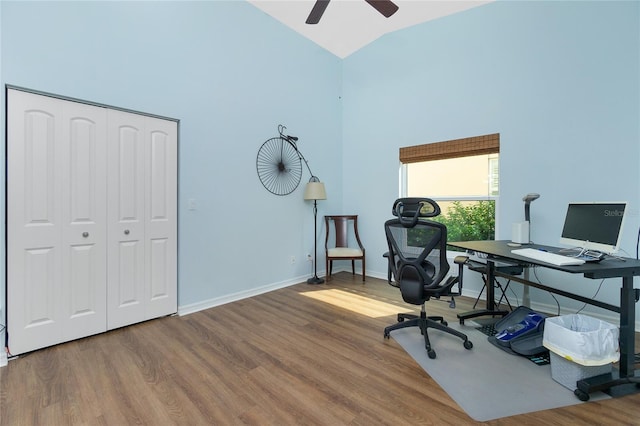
{"x": 279, "y": 166}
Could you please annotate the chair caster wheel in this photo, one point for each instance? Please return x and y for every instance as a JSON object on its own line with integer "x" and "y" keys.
{"x": 431, "y": 353}
{"x": 445, "y": 323}
{"x": 467, "y": 344}
{"x": 582, "y": 395}
{"x": 386, "y": 335}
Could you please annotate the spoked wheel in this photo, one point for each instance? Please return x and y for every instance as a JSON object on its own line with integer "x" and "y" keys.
{"x": 279, "y": 166}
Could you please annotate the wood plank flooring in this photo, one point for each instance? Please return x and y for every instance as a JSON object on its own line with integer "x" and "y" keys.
{"x": 281, "y": 358}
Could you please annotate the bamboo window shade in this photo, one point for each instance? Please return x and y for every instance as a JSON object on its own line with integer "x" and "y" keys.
{"x": 466, "y": 147}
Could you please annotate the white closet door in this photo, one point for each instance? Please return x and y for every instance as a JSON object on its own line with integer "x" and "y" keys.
{"x": 91, "y": 219}
{"x": 55, "y": 283}
{"x": 126, "y": 213}
{"x": 84, "y": 209}
{"x": 142, "y": 258}
{"x": 34, "y": 222}
{"x": 161, "y": 156}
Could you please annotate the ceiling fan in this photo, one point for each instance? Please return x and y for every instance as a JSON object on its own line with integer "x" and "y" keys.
{"x": 385, "y": 7}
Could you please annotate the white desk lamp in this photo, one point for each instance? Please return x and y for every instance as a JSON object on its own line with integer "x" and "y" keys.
{"x": 526, "y": 300}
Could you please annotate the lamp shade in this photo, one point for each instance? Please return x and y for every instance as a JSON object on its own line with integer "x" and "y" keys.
{"x": 315, "y": 191}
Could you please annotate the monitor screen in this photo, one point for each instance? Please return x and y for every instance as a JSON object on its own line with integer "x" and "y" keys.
{"x": 594, "y": 225}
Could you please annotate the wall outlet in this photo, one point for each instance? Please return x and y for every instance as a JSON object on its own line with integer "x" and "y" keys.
{"x": 309, "y": 257}
{"x": 292, "y": 259}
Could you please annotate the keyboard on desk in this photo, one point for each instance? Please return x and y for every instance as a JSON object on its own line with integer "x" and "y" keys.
{"x": 545, "y": 256}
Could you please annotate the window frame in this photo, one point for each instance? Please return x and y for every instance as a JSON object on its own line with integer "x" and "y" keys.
{"x": 456, "y": 148}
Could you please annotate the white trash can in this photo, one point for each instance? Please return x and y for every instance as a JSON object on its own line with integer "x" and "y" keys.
{"x": 580, "y": 347}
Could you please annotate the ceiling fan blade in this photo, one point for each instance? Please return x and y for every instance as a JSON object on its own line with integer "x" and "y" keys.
{"x": 317, "y": 11}
{"x": 386, "y": 7}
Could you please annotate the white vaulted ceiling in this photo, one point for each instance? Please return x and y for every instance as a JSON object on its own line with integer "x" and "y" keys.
{"x": 348, "y": 25}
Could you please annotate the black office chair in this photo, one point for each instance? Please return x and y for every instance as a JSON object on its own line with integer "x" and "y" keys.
{"x": 418, "y": 264}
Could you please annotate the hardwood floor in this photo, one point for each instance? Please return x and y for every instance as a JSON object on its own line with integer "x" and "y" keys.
{"x": 281, "y": 358}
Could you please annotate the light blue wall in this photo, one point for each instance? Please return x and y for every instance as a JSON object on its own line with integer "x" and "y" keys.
{"x": 558, "y": 80}
{"x": 230, "y": 74}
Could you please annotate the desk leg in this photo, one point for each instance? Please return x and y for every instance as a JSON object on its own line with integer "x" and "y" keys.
{"x": 627, "y": 327}
{"x": 625, "y": 380}
{"x": 526, "y": 298}
{"x": 490, "y": 305}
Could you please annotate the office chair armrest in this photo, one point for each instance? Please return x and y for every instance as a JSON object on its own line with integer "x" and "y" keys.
{"x": 446, "y": 289}
{"x": 447, "y": 286}
{"x": 391, "y": 267}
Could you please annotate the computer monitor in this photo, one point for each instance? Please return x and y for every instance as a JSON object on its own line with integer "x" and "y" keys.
{"x": 594, "y": 225}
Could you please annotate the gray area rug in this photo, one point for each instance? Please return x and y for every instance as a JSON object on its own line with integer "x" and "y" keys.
{"x": 486, "y": 382}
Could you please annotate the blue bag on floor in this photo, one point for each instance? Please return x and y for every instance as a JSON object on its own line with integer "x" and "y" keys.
{"x": 520, "y": 333}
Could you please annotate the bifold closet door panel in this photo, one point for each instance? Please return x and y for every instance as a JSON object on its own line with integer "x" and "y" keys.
{"x": 126, "y": 213}
{"x": 56, "y": 220}
{"x": 161, "y": 240}
{"x": 84, "y": 209}
{"x": 34, "y": 222}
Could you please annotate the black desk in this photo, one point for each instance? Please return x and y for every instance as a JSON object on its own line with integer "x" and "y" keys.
{"x": 608, "y": 268}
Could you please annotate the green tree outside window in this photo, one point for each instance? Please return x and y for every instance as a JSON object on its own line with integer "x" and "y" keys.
{"x": 470, "y": 222}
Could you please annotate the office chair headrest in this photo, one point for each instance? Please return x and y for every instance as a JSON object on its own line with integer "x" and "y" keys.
{"x": 409, "y": 210}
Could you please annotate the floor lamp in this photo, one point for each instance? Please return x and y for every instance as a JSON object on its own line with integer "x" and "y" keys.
{"x": 315, "y": 191}
{"x": 526, "y": 299}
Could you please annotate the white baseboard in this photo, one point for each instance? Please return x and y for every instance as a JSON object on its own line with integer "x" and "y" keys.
{"x": 611, "y": 318}
{"x": 217, "y": 301}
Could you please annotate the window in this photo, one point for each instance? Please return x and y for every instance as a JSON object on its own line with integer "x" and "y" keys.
{"x": 462, "y": 175}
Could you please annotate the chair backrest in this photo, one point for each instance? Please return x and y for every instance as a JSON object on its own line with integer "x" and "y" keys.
{"x": 341, "y": 225}
{"x": 413, "y": 208}
{"x": 417, "y": 250}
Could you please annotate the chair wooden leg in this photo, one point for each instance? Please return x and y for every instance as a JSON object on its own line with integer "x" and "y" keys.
{"x": 329, "y": 268}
